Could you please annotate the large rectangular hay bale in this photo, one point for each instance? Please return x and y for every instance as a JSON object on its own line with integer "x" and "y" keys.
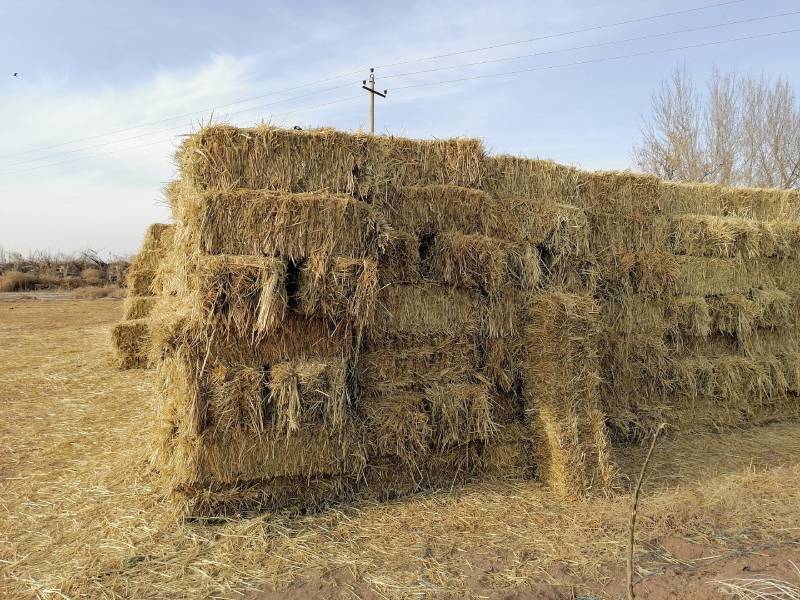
{"x": 292, "y": 226}
{"x": 425, "y": 311}
{"x": 701, "y": 276}
{"x": 239, "y": 295}
{"x": 713, "y": 199}
{"x": 482, "y": 263}
{"x": 267, "y": 157}
{"x": 131, "y": 343}
{"x": 733, "y": 237}
{"x": 141, "y": 276}
{"x": 138, "y": 307}
{"x": 395, "y": 364}
{"x": 560, "y": 378}
{"x": 340, "y": 289}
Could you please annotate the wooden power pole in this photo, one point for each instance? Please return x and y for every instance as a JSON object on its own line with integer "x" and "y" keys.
{"x": 372, "y": 93}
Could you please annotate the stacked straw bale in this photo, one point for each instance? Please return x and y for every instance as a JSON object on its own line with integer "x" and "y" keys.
{"x": 702, "y": 329}
{"x": 345, "y": 315}
{"x": 131, "y": 337}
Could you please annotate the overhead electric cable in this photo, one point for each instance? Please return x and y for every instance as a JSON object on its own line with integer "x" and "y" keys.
{"x": 392, "y": 64}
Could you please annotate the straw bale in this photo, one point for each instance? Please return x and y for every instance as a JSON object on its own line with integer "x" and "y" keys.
{"x": 141, "y": 274}
{"x": 713, "y": 199}
{"x": 733, "y": 237}
{"x": 460, "y": 413}
{"x": 678, "y": 317}
{"x": 400, "y": 260}
{"x": 537, "y": 179}
{"x": 338, "y": 288}
{"x": 634, "y": 313}
{"x": 619, "y": 192}
{"x": 239, "y": 295}
{"x": 720, "y": 237}
{"x": 571, "y": 274}
{"x": 397, "y": 424}
{"x": 407, "y": 366}
{"x": 790, "y": 360}
{"x": 702, "y": 276}
{"x": 614, "y": 232}
{"x": 773, "y": 308}
{"x": 637, "y": 354}
{"x": 144, "y": 266}
{"x": 428, "y": 310}
{"x": 482, "y": 263}
{"x": 388, "y": 478}
{"x": 704, "y": 392}
{"x": 237, "y": 399}
{"x": 651, "y": 274}
{"x": 303, "y": 393}
{"x": 220, "y": 423}
{"x": 692, "y": 317}
{"x": 157, "y": 236}
{"x": 131, "y": 343}
{"x": 298, "y": 338}
{"x": 502, "y": 313}
{"x": 561, "y": 380}
{"x": 621, "y": 209}
{"x": 732, "y": 314}
{"x": 137, "y": 307}
{"x": 393, "y": 162}
{"x": 740, "y": 382}
{"x": 503, "y": 358}
{"x": 760, "y": 342}
{"x": 292, "y": 226}
{"x": 784, "y": 274}
{"x": 359, "y": 164}
{"x": 510, "y": 455}
{"x": 560, "y": 229}
{"x": 242, "y": 456}
{"x": 430, "y": 209}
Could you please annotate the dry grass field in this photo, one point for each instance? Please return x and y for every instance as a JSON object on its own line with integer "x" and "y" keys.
{"x": 82, "y": 516}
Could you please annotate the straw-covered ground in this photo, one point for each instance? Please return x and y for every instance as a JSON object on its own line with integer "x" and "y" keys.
{"x": 81, "y": 516}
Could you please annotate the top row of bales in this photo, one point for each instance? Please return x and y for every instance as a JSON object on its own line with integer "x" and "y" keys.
{"x": 366, "y": 166}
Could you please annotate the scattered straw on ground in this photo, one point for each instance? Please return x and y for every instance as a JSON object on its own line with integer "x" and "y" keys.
{"x": 80, "y": 516}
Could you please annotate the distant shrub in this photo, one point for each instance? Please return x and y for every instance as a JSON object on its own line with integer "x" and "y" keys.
{"x": 91, "y": 276}
{"x": 96, "y": 292}
{"x": 14, "y": 281}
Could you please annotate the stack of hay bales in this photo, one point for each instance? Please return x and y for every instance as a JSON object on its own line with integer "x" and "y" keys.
{"x": 350, "y": 315}
{"x": 697, "y": 290}
{"x": 131, "y": 336}
{"x": 703, "y": 328}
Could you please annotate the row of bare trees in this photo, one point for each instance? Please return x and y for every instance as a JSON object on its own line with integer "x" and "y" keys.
{"x": 740, "y": 130}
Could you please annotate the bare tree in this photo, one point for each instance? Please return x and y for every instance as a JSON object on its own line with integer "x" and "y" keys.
{"x": 740, "y": 130}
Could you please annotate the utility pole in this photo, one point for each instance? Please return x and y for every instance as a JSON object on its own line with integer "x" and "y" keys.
{"x": 372, "y": 93}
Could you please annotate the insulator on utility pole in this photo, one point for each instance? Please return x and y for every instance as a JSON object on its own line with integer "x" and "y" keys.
{"x": 372, "y": 93}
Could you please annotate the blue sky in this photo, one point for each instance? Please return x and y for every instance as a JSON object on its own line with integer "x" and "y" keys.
{"x": 88, "y": 68}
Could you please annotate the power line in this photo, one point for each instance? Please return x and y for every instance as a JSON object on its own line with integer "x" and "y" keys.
{"x": 350, "y": 73}
{"x": 595, "y": 45}
{"x": 161, "y": 141}
{"x": 597, "y": 60}
{"x": 411, "y": 73}
{"x": 188, "y": 114}
{"x": 562, "y": 34}
{"x": 485, "y": 76}
{"x": 182, "y": 126}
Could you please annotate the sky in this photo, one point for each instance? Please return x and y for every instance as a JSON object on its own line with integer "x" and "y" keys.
{"x": 107, "y": 89}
